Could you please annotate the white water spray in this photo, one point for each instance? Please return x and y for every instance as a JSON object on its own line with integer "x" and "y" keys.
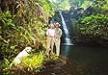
{"x": 67, "y": 36}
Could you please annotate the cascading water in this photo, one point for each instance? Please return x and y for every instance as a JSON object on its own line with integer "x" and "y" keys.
{"x": 66, "y": 32}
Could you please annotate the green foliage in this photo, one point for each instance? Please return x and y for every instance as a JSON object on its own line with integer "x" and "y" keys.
{"x": 5, "y": 63}
{"x": 25, "y": 27}
{"x": 86, "y": 4}
{"x": 94, "y": 26}
{"x": 7, "y": 28}
{"x": 47, "y": 7}
{"x": 105, "y": 5}
{"x": 64, "y": 5}
{"x": 37, "y": 61}
{"x": 99, "y": 3}
{"x": 6, "y": 19}
{"x": 77, "y": 2}
{"x": 54, "y": 57}
{"x": 34, "y": 61}
{"x": 60, "y": 5}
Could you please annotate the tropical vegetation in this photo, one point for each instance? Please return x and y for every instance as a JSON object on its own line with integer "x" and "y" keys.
{"x": 23, "y": 23}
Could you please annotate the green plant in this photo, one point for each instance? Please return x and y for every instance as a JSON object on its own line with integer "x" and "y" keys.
{"x": 25, "y": 27}
{"x": 5, "y": 63}
{"x": 94, "y": 26}
{"x": 6, "y": 19}
{"x": 7, "y": 28}
{"x": 34, "y": 61}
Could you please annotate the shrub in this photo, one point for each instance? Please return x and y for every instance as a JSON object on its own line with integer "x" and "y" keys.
{"x": 94, "y": 26}
{"x": 34, "y": 61}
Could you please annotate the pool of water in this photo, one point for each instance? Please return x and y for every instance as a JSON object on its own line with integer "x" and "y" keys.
{"x": 87, "y": 60}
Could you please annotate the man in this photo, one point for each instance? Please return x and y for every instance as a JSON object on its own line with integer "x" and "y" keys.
{"x": 58, "y": 34}
{"x": 50, "y": 38}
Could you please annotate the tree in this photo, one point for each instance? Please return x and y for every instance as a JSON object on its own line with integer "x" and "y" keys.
{"x": 60, "y": 4}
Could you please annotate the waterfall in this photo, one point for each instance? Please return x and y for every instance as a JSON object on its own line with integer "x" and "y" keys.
{"x": 66, "y": 32}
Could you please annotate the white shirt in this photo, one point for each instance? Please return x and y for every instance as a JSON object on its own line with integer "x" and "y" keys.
{"x": 50, "y": 32}
{"x": 58, "y": 33}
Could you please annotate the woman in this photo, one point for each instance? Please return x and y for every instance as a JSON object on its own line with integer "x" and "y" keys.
{"x": 50, "y": 38}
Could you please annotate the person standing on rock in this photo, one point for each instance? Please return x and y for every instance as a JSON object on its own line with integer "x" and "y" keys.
{"x": 57, "y": 40}
{"x": 50, "y": 38}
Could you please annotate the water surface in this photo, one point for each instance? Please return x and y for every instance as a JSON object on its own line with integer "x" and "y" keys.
{"x": 87, "y": 60}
